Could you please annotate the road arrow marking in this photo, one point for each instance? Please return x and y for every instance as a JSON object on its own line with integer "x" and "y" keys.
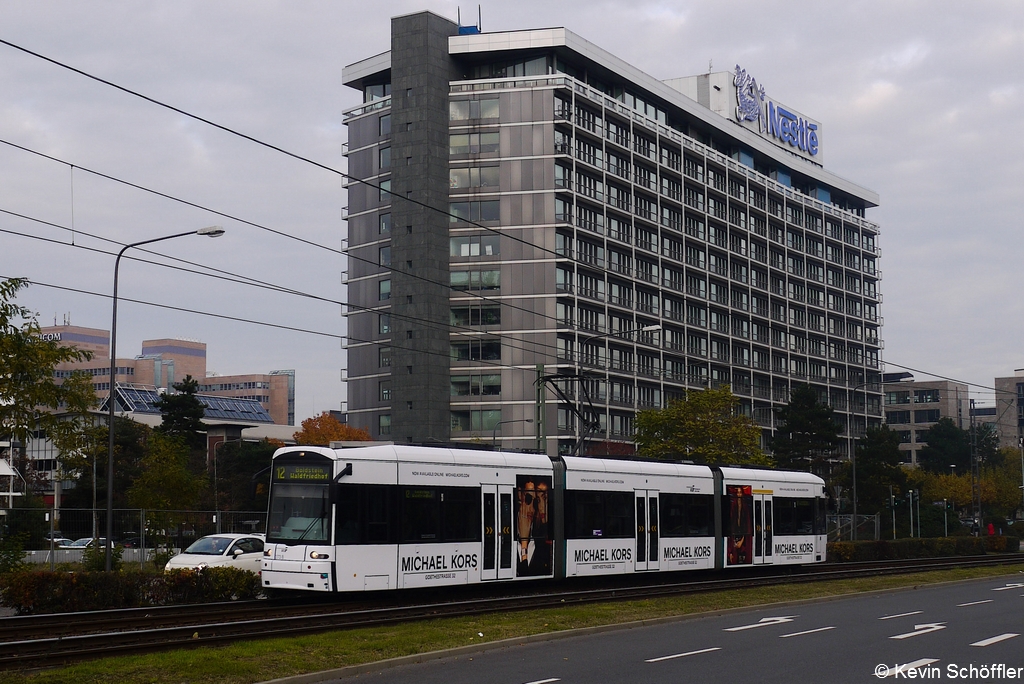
{"x": 890, "y": 617}
{"x": 901, "y": 670}
{"x": 809, "y": 631}
{"x": 682, "y": 655}
{"x": 921, "y": 629}
{"x": 995, "y": 639}
{"x": 973, "y": 603}
{"x": 764, "y": 622}
{"x": 1013, "y": 585}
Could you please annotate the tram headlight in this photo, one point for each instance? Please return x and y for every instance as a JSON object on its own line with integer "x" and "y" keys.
{"x": 319, "y": 555}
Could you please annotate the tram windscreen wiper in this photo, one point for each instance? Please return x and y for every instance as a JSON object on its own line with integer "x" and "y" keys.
{"x": 314, "y": 521}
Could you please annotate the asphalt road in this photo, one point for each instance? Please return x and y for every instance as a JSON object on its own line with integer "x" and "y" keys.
{"x": 942, "y": 630}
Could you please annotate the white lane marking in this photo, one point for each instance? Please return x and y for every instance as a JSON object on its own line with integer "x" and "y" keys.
{"x": 683, "y": 655}
{"x": 974, "y": 603}
{"x": 921, "y": 629}
{"x": 545, "y": 681}
{"x": 809, "y": 631}
{"x": 891, "y": 617}
{"x": 995, "y": 639}
{"x": 901, "y": 670}
{"x": 1012, "y": 585}
{"x": 764, "y": 622}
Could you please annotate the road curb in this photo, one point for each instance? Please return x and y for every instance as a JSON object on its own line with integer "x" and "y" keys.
{"x": 390, "y": 663}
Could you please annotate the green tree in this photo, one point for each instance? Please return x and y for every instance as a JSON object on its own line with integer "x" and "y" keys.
{"x": 31, "y": 398}
{"x": 237, "y": 464}
{"x": 878, "y": 469}
{"x": 807, "y": 436}
{"x": 947, "y": 445}
{"x": 166, "y": 481}
{"x": 183, "y": 414}
{"x": 130, "y": 444}
{"x": 705, "y": 427}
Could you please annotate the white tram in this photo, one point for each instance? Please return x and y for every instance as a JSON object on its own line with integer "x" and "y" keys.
{"x": 393, "y": 517}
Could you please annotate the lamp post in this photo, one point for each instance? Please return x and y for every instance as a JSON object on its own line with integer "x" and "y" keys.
{"x": 853, "y": 461}
{"x": 211, "y": 231}
{"x": 494, "y": 432}
{"x": 1020, "y": 443}
{"x": 910, "y": 496}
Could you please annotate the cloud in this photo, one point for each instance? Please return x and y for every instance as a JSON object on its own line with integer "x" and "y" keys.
{"x": 876, "y": 96}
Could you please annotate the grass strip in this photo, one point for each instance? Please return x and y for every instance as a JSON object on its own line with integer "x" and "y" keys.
{"x": 260, "y": 660}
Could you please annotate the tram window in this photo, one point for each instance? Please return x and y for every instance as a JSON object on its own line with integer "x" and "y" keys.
{"x": 365, "y": 514}
{"x": 794, "y": 516}
{"x": 593, "y": 515}
{"x": 420, "y": 514}
{"x": 686, "y": 515}
{"x": 820, "y": 511}
{"x": 460, "y": 513}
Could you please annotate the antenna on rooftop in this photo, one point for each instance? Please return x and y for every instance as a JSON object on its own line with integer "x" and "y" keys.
{"x": 711, "y": 63}
{"x": 479, "y": 19}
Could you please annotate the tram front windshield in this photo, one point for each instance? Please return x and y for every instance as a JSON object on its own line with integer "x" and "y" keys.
{"x": 299, "y": 513}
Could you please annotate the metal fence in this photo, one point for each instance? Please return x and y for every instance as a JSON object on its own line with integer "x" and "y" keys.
{"x": 140, "y": 531}
{"x": 840, "y": 528}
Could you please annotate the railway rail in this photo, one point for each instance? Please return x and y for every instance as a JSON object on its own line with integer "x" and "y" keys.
{"x": 37, "y": 641}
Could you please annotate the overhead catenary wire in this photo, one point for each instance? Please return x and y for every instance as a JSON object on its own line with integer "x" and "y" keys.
{"x": 251, "y": 321}
{"x": 361, "y": 341}
{"x": 347, "y": 254}
{"x": 454, "y": 329}
{"x": 296, "y": 156}
{"x": 262, "y": 143}
{"x": 307, "y": 160}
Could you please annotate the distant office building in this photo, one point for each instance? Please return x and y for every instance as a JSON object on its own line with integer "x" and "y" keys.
{"x": 912, "y": 407}
{"x": 659, "y": 235}
{"x": 1009, "y": 418}
{"x": 164, "y": 362}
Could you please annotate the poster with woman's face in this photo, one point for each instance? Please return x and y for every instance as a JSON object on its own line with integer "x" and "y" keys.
{"x": 533, "y": 528}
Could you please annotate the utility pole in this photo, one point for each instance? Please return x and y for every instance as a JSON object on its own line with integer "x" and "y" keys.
{"x": 910, "y": 495}
{"x": 892, "y": 506}
{"x": 975, "y": 475}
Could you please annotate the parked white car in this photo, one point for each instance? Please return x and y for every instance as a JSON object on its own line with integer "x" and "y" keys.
{"x": 83, "y": 543}
{"x": 242, "y": 551}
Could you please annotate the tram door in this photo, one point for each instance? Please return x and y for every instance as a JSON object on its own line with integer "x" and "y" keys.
{"x": 762, "y": 526}
{"x": 497, "y": 523}
{"x": 648, "y": 546}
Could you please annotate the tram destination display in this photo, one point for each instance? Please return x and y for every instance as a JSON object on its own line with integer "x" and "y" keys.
{"x": 304, "y": 472}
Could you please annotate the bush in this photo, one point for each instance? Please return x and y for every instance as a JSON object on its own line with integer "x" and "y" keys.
{"x": 12, "y": 552}
{"x": 38, "y": 591}
{"x": 932, "y": 547}
{"x": 94, "y": 558}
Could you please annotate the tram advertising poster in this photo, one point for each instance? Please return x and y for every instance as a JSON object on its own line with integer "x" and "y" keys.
{"x": 533, "y": 529}
{"x": 741, "y": 533}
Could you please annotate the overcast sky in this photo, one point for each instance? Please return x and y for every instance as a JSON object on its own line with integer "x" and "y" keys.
{"x": 920, "y": 101}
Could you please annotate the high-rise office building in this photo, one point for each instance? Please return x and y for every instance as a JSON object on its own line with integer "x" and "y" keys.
{"x": 526, "y": 204}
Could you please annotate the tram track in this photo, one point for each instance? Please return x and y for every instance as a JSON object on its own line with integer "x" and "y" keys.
{"x": 37, "y": 641}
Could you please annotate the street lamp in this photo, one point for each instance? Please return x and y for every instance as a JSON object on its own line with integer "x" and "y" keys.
{"x": 1020, "y": 443}
{"x": 853, "y": 462}
{"x": 211, "y": 231}
{"x": 494, "y": 432}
